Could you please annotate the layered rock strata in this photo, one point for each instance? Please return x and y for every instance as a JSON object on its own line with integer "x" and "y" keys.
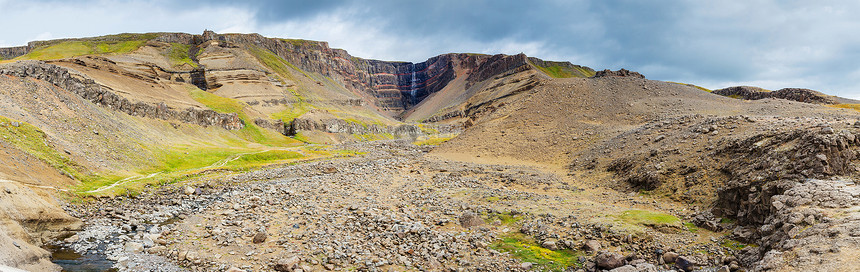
{"x": 102, "y": 95}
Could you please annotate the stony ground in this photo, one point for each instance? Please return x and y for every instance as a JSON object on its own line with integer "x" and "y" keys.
{"x": 394, "y": 208}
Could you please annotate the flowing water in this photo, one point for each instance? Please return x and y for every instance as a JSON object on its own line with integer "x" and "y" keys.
{"x": 72, "y": 261}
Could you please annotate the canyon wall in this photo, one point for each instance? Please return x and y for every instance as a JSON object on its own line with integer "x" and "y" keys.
{"x": 101, "y": 95}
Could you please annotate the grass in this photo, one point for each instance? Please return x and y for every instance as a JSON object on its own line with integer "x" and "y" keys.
{"x": 434, "y": 140}
{"x": 691, "y": 227}
{"x": 180, "y": 163}
{"x": 855, "y": 107}
{"x": 178, "y": 55}
{"x": 691, "y": 85}
{"x": 68, "y": 49}
{"x": 251, "y": 132}
{"x": 526, "y": 250}
{"x": 732, "y": 244}
{"x": 265, "y": 157}
{"x": 299, "y": 42}
{"x": 374, "y": 136}
{"x": 556, "y": 70}
{"x": 33, "y": 141}
{"x": 648, "y": 218}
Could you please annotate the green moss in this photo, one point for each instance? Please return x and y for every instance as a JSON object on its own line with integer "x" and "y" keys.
{"x": 691, "y": 227}
{"x": 855, "y": 107}
{"x": 251, "y": 132}
{"x": 526, "y": 250}
{"x": 563, "y": 69}
{"x": 691, "y": 85}
{"x": 300, "y": 42}
{"x": 179, "y": 55}
{"x": 73, "y": 48}
{"x": 732, "y": 244}
{"x": 373, "y": 136}
{"x": 33, "y": 141}
{"x": 648, "y": 218}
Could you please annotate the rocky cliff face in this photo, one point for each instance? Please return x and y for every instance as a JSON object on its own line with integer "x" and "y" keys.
{"x": 396, "y": 86}
{"x": 101, "y": 95}
{"x": 794, "y": 94}
{"x": 13, "y": 52}
{"x": 619, "y": 73}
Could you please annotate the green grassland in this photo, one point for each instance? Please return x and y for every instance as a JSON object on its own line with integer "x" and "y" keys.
{"x": 526, "y": 249}
{"x": 648, "y": 218}
{"x": 251, "y": 132}
{"x": 32, "y": 140}
{"x": 70, "y": 49}
{"x": 434, "y": 140}
{"x": 178, "y": 55}
{"x": 691, "y": 85}
{"x": 855, "y": 107}
{"x": 564, "y": 70}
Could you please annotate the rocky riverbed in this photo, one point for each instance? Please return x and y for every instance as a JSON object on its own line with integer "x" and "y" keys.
{"x": 394, "y": 208}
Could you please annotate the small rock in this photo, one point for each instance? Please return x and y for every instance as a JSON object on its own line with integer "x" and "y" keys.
{"x": 549, "y": 244}
{"x": 189, "y": 190}
{"x": 724, "y": 268}
{"x": 234, "y": 269}
{"x": 182, "y": 255}
{"x": 260, "y": 237}
{"x": 287, "y": 264}
{"x": 669, "y": 257}
{"x": 526, "y": 266}
{"x": 72, "y": 239}
{"x": 827, "y": 130}
{"x": 684, "y": 263}
{"x": 191, "y": 256}
{"x": 626, "y": 268}
{"x": 133, "y": 247}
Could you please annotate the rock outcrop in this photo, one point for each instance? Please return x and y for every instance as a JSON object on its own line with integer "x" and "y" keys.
{"x": 27, "y": 221}
{"x": 619, "y": 73}
{"x": 320, "y": 120}
{"x": 102, "y": 95}
{"x": 13, "y": 52}
{"x": 794, "y": 94}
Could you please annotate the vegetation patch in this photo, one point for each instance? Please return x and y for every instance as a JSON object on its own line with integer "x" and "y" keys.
{"x": 691, "y": 227}
{"x": 648, "y": 218}
{"x": 179, "y": 55}
{"x": 33, "y": 141}
{"x": 373, "y": 136}
{"x": 251, "y": 132}
{"x": 732, "y": 244}
{"x": 691, "y": 85}
{"x": 265, "y": 157}
{"x": 563, "y": 70}
{"x": 525, "y": 249}
{"x": 434, "y": 140}
{"x": 855, "y": 107}
{"x": 74, "y": 48}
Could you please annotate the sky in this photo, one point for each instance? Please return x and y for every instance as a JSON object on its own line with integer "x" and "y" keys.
{"x": 714, "y": 44}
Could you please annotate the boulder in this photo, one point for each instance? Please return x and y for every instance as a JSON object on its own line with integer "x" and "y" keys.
{"x": 470, "y": 219}
{"x": 609, "y": 260}
{"x": 591, "y": 245}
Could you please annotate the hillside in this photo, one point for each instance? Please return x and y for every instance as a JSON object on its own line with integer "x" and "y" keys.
{"x": 214, "y": 151}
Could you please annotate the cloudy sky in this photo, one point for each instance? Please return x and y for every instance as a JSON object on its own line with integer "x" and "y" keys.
{"x": 715, "y": 44}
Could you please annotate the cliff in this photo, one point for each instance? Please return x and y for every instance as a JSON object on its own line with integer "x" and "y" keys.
{"x": 101, "y": 95}
{"x": 794, "y": 94}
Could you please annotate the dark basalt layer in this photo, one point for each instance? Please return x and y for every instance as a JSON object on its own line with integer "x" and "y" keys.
{"x": 794, "y": 94}
{"x": 102, "y": 95}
